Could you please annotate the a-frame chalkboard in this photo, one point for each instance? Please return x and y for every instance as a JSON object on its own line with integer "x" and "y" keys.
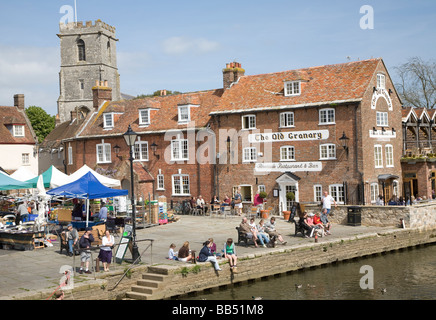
{"x": 124, "y": 244}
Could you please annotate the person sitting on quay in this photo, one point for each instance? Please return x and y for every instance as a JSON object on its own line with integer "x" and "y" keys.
{"x": 172, "y": 255}
{"x": 248, "y": 231}
{"x": 270, "y": 228}
{"x": 206, "y": 255}
{"x": 213, "y": 248}
{"x": 185, "y": 254}
{"x": 325, "y": 221}
{"x": 230, "y": 253}
{"x": 263, "y": 236}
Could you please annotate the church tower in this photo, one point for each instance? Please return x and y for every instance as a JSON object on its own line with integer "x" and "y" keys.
{"x": 88, "y": 53}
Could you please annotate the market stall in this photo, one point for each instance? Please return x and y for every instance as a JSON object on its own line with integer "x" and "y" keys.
{"x": 52, "y": 178}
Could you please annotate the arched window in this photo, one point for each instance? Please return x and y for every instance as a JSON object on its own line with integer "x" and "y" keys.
{"x": 81, "y": 50}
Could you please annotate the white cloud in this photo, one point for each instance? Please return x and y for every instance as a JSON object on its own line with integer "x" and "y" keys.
{"x": 182, "y": 45}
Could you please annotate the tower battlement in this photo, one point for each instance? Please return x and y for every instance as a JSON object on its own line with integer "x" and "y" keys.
{"x": 74, "y": 26}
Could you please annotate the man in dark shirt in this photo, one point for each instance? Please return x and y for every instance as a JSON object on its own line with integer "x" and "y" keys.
{"x": 85, "y": 256}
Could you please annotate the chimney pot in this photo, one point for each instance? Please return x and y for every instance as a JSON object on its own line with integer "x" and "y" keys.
{"x": 19, "y": 101}
{"x": 106, "y": 83}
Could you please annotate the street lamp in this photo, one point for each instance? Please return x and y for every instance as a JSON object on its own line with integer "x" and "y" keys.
{"x": 130, "y": 137}
{"x": 344, "y": 142}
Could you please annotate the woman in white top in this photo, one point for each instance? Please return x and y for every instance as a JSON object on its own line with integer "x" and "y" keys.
{"x": 105, "y": 254}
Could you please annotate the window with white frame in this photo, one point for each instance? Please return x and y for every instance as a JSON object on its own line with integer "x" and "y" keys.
{"x": 374, "y": 192}
{"x": 160, "y": 182}
{"x": 249, "y": 122}
{"x": 286, "y": 119}
{"x": 381, "y": 81}
{"x": 378, "y": 156}
{"x": 70, "y": 155}
{"x": 327, "y": 116}
{"x": 108, "y": 119}
{"x": 144, "y": 117}
{"x": 317, "y": 193}
{"x": 382, "y": 119}
{"x": 179, "y": 150}
{"x": 261, "y": 188}
{"x": 337, "y": 193}
{"x": 25, "y": 159}
{"x": 104, "y": 153}
{"x": 249, "y": 154}
{"x": 287, "y": 153}
{"x": 389, "y": 155}
{"x": 181, "y": 185}
{"x": 18, "y": 131}
{"x": 292, "y": 88}
{"x": 140, "y": 152}
{"x": 184, "y": 114}
{"x": 327, "y": 151}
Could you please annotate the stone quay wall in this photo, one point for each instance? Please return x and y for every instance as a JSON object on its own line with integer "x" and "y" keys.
{"x": 415, "y": 216}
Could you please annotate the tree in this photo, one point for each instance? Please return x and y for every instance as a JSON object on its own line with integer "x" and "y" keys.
{"x": 41, "y": 121}
{"x": 156, "y": 94}
{"x": 417, "y": 86}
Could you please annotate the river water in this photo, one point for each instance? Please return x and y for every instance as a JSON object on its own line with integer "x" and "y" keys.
{"x": 409, "y": 274}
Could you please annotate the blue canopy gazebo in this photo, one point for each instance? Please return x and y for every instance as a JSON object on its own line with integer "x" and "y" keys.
{"x": 87, "y": 187}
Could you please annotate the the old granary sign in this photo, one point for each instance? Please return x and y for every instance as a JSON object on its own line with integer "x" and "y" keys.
{"x": 289, "y": 136}
{"x": 288, "y": 166}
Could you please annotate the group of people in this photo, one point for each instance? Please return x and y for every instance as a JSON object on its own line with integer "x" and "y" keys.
{"x": 23, "y": 211}
{"x": 315, "y": 224}
{"x": 199, "y": 202}
{"x": 208, "y": 253}
{"x": 85, "y": 243}
{"x": 79, "y": 211}
{"x": 262, "y": 232}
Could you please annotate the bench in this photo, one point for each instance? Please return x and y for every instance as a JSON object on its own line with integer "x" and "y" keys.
{"x": 242, "y": 237}
{"x": 298, "y": 225}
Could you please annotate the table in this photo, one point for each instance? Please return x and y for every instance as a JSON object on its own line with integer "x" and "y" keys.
{"x": 81, "y": 225}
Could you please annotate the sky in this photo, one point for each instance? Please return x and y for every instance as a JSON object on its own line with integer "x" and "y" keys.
{"x": 184, "y": 45}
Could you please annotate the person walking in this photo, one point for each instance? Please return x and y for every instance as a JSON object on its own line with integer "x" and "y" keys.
{"x": 327, "y": 201}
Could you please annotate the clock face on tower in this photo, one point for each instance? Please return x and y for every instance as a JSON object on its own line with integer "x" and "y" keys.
{"x": 381, "y": 93}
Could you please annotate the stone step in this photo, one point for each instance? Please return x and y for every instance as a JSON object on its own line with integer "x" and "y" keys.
{"x": 138, "y": 296}
{"x": 148, "y": 283}
{"x": 154, "y": 277}
{"x": 142, "y": 289}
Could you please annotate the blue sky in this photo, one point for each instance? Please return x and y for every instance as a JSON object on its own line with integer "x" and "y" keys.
{"x": 183, "y": 45}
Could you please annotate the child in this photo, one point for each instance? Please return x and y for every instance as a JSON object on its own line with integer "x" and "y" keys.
{"x": 230, "y": 253}
{"x": 171, "y": 254}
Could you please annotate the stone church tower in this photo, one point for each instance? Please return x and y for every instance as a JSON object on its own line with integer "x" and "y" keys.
{"x": 88, "y": 53}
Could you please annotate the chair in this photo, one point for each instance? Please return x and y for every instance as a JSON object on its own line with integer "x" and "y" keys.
{"x": 254, "y": 212}
{"x": 214, "y": 209}
{"x": 112, "y": 227}
{"x": 298, "y": 225}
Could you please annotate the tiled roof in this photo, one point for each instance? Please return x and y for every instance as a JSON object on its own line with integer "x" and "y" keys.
{"x": 324, "y": 84}
{"x": 9, "y": 117}
{"x": 163, "y": 114}
{"x": 65, "y": 130}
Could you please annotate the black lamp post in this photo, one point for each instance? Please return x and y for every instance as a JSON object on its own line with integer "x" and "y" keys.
{"x": 130, "y": 137}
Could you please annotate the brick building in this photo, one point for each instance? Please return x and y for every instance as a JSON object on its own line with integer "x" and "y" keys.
{"x": 285, "y": 129}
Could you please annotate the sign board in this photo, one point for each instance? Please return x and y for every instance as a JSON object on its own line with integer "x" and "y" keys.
{"x": 124, "y": 244}
{"x": 288, "y": 166}
{"x": 289, "y": 136}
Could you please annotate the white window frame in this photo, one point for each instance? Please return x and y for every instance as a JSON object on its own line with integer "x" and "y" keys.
{"x": 251, "y": 122}
{"x": 287, "y": 120}
{"x": 292, "y": 88}
{"x": 178, "y": 185}
{"x": 249, "y": 154}
{"x": 108, "y": 124}
{"x": 261, "y": 188}
{"x": 70, "y": 155}
{"x": 287, "y": 153}
{"x": 179, "y": 150}
{"x": 378, "y": 156}
{"x": 337, "y": 192}
{"x": 382, "y": 119}
{"x": 25, "y": 159}
{"x": 325, "y": 116}
{"x": 317, "y": 193}
{"x": 375, "y": 191}
{"x": 160, "y": 182}
{"x": 381, "y": 81}
{"x": 140, "y": 151}
{"x": 329, "y": 153}
{"x": 389, "y": 151}
{"x": 105, "y": 152}
{"x": 18, "y": 130}
{"x": 184, "y": 117}
{"x": 144, "y": 113}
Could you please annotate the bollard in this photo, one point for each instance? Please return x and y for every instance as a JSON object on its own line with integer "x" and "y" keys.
{"x": 97, "y": 265}
{"x": 316, "y": 236}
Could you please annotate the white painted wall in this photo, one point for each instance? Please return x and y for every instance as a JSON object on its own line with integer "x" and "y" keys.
{"x": 11, "y": 157}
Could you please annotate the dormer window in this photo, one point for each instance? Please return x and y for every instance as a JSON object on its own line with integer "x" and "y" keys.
{"x": 108, "y": 119}
{"x": 381, "y": 81}
{"x": 184, "y": 114}
{"x": 18, "y": 130}
{"x": 292, "y": 88}
{"x": 144, "y": 117}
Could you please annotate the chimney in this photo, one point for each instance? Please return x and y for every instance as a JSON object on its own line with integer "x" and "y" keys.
{"x": 163, "y": 93}
{"x": 57, "y": 120}
{"x": 19, "y": 101}
{"x": 101, "y": 92}
{"x": 232, "y": 73}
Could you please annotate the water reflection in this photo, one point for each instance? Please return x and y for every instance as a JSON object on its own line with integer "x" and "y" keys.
{"x": 406, "y": 275}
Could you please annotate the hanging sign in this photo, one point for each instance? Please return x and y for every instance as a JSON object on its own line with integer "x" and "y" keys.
{"x": 289, "y": 136}
{"x": 288, "y": 166}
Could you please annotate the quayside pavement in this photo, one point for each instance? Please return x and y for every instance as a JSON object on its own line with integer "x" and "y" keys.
{"x": 23, "y": 273}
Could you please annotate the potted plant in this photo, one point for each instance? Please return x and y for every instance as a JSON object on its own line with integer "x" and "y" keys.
{"x": 291, "y": 197}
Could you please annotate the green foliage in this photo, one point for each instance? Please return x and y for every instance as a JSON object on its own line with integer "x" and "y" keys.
{"x": 156, "y": 94}
{"x": 41, "y": 121}
{"x": 290, "y": 196}
{"x": 263, "y": 194}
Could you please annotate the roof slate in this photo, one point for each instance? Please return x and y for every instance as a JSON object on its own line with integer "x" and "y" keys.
{"x": 11, "y": 116}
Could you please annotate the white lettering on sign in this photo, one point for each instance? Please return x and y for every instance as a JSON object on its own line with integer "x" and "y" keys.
{"x": 288, "y": 166}
{"x": 289, "y": 136}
